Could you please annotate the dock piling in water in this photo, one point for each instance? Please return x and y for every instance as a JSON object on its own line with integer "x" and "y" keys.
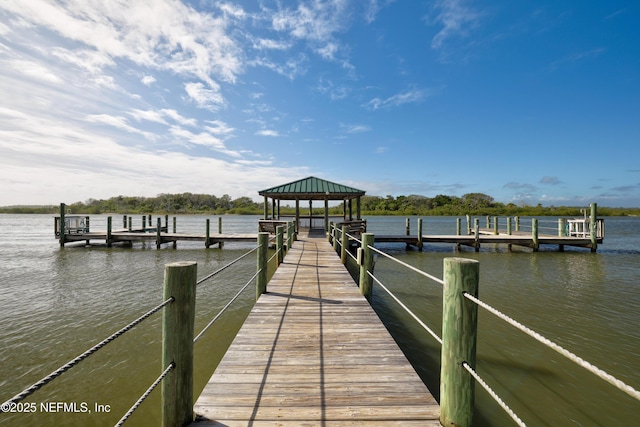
{"x": 459, "y": 335}
{"x": 177, "y": 342}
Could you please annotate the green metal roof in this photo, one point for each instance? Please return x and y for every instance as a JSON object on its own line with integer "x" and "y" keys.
{"x": 312, "y": 188}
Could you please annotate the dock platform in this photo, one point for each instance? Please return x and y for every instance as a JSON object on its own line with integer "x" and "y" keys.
{"x": 313, "y": 352}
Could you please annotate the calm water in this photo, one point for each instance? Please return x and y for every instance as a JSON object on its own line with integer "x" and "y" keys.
{"x": 55, "y": 303}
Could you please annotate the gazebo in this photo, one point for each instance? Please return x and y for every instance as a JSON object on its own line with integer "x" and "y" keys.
{"x": 311, "y": 189}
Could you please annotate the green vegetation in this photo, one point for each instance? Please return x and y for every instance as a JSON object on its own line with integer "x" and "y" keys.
{"x": 188, "y": 203}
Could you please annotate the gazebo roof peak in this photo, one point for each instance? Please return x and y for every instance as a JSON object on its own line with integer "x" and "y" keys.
{"x": 312, "y": 188}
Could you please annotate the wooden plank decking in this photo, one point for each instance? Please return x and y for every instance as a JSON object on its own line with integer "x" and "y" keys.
{"x": 313, "y": 352}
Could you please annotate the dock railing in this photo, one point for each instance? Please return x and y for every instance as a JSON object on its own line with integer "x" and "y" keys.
{"x": 460, "y": 284}
{"x": 178, "y": 335}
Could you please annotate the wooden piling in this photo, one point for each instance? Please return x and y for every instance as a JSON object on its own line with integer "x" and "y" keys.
{"x": 534, "y": 234}
{"x": 261, "y": 278}
{"x": 365, "y": 281}
{"x": 207, "y": 241}
{"x": 476, "y": 228}
{"x": 109, "y": 229}
{"x": 459, "y": 335}
{"x": 593, "y": 226}
{"x": 159, "y": 233}
{"x": 420, "y": 234}
{"x": 495, "y": 226}
{"x": 279, "y": 244}
{"x": 62, "y": 224}
{"x": 345, "y": 242}
{"x": 177, "y": 343}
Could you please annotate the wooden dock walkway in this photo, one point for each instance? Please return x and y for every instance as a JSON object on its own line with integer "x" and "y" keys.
{"x": 126, "y": 236}
{"x": 313, "y": 352}
{"x": 487, "y": 236}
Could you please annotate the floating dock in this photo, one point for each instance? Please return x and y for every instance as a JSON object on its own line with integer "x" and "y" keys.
{"x": 314, "y": 352}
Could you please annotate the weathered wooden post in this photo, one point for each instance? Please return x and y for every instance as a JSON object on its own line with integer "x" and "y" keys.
{"x": 488, "y": 221}
{"x": 517, "y": 223}
{"x": 468, "y": 224}
{"x": 476, "y": 229}
{"x": 335, "y": 238}
{"x": 177, "y": 342}
{"x": 593, "y": 227}
{"x": 109, "y": 228}
{"x": 144, "y": 223}
{"x": 166, "y": 223}
{"x": 124, "y": 221}
{"x": 330, "y": 233}
{"x": 509, "y": 226}
{"x": 266, "y": 208}
{"x": 261, "y": 278}
{"x": 496, "y": 230}
{"x": 420, "y": 234}
{"x": 159, "y": 233}
{"x": 366, "y": 281}
{"x": 175, "y": 242}
{"x": 207, "y": 235}
{"x": 62, "y": 224}
{"x": 345, "y": 242}
{"x": 408, "y": 226}
{"x": 458, "y": 226}
{"x": 279, "y": 244}
{"x": 561, "y": 226}
{"x": 534, "y": 234}
{"x": 219, "y": 225}
{"x": 130, "y": 223}
{"x": 459, "y": 334}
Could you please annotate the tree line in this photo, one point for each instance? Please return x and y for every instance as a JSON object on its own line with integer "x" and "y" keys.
{"x": 189, "y": 203}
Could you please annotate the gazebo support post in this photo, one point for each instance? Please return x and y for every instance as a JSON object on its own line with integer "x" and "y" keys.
{"x": 326, "y": 214}
{"x": 266, "y": 208}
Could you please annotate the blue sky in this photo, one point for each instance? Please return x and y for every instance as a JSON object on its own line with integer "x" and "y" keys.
{"x": 528, "y": 102}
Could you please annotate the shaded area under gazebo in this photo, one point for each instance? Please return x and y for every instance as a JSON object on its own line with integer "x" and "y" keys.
{"x": 311, "y": 189}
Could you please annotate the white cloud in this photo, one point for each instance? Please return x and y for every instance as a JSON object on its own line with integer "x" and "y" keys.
{"x": 210, "y": 99}
{"x": 397, "y": 100}
{"x": 118, "y": 122}
{"x": 164, "y": 35}
{"x": 35, "y": 70}
{"x": 219, "y": 128}
{"x": 357, "y": 128}
{"x": 456, "y": 18}
{"x": 267, "y": 132}
{"x": 148, "y": 80}
{"x": 204, "y": 139}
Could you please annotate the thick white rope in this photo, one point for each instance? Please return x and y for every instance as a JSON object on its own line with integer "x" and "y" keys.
{"x": 493, "y": 394}
{"x": 566, "y": 353}
{"x": 410, "y": 267}
{"x": 433, "y": 334}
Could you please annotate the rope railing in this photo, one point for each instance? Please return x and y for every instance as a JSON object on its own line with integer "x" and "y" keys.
{"x": 36, "y": 386}
{"x": 209, "y": 276}
{"x": 145, "y": 395}
{"x": 407, "y": 309}
{"x": 566, "y": 353}
{"x": 493, "y": 394}
{"x": 410, "y": 267}
{"x": 463, "y": 293}
{"x": 221, "y": 312}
